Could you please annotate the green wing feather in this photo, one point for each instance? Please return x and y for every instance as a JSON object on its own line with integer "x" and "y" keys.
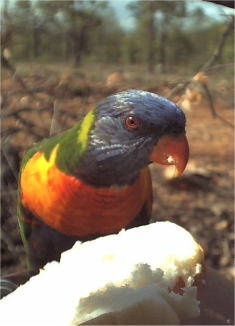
{"x": 73, "y": 142}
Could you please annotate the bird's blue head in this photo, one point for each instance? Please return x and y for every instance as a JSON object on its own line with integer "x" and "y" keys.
{"x": 131, "y": 129}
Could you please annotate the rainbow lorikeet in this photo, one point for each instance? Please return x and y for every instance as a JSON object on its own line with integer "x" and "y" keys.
{"x": 93, "y": 179}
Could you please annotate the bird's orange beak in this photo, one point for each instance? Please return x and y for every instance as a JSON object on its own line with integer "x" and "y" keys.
{"x": 172, "y": 150}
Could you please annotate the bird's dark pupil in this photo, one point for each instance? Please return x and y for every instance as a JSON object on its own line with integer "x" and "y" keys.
{"x": 131, "y": 122}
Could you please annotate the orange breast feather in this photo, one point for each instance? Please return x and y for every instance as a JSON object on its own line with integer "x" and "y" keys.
{"x": 75, "y": 208}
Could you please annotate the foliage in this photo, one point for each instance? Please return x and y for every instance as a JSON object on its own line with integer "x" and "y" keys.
{"x": 166, "y": 33}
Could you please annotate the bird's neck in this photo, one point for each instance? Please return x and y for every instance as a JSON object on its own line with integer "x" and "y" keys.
{"x": 73, "y": 144}
{"x": 106, "y": 171}
{"x": 94, "y": 165}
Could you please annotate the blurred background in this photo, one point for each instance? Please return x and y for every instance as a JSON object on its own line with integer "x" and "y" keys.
{"x": 60, "y": 58}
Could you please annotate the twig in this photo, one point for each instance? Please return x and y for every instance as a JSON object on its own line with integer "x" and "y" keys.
{"x": 14, "y": 130}
{"x": 9, "y": 162}
{"x": 54, "y": 120}
{"x": 211, "y": 104}
{"x": 15, "y": 113}
{"x": 217, "y": 53}
{"x": 225, "y": 121}
{"x": 180, "y": 87}
{"x": 4, "y": 97}
{"x": 43, "y": 108}
{"x": 13, "y": 70}
{"x": 15, "y": 76}
{"x": 220, "y": 45}
{"x": 9, "y": 243}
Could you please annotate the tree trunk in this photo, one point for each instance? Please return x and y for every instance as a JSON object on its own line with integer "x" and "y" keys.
{"x": 162, "y": 52}
{"x": 79, "y": 45}
{"x": 163, "y": 42}
{"x": 36, "y": 39}
{"x": 151, "y": 39}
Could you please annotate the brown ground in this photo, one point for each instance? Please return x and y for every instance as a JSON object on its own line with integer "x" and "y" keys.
{"x": 201, "y": 200}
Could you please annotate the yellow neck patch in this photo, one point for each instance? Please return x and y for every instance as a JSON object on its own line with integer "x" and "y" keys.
{"x": 53, "y": 155}
{"x": 84, "y": 130}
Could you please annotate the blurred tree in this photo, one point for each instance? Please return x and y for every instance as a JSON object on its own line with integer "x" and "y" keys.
{"x": 77, "y": 21}
{"x": 48, "y": 28}
{"x": 205, "y": 32}
{"x": 6, "y": 35}
{"x": 90, "y": 31}
{"x": 181, "y": 48}
{"x": 6, "y": 29}
{"x": 132, "y": 48}
{"x": 108, "y": 38}
{"x": 144, "y": 13}
{"x": 82, "y": 17}
{"x": 58, "y": 29}
{"x": 169, "y": 10}
{"x": 21, "y": 17}
{"x": 153, "y": 17}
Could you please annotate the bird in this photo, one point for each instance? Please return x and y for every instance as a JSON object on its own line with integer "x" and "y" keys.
{"x": 93, "y": 179}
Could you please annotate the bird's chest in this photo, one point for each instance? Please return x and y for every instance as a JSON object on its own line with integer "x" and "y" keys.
{"x": 74, "y": 208}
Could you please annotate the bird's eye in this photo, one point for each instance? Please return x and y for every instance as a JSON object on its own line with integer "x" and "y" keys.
{"x": 132, "y": 122}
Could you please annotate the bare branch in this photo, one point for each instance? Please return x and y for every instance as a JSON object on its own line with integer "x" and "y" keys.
{"x": 211, "y": 103}
{"x": 212, "y": 107}
{"x": 219, "y": 47}
{"x": 9, "y": 66}
{"x": 6, "y": 238}
{"x": 178, "y": 88}
{"x": 9, "y": 162}
{"x": 54, "y": 120}
{"x": 13, "y": 130}
{"x": 15, "y": 113}
{"x": 216, "y": 55}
